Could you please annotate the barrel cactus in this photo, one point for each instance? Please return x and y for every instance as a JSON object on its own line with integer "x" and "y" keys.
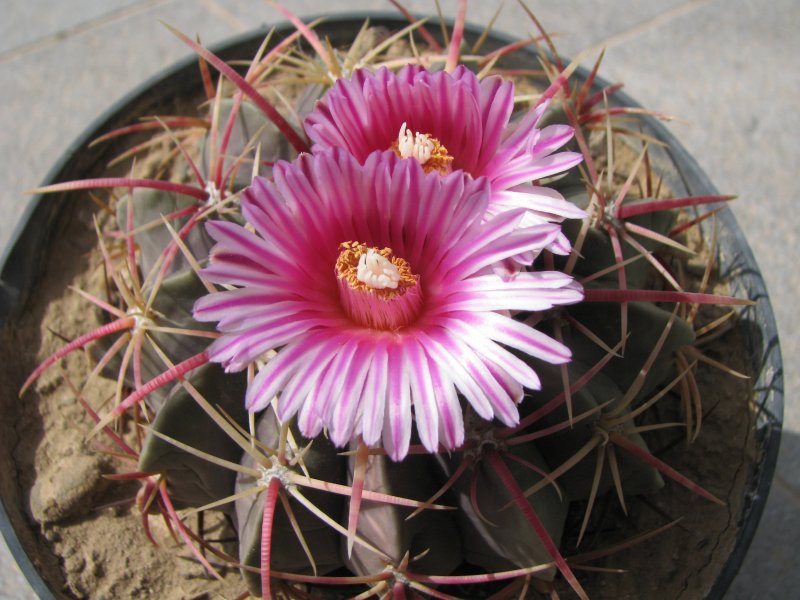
{"x": 395, "y": 318}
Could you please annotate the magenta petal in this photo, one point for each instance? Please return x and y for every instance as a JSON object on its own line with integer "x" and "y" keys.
{"x": 242, "y": 273}
{"x": 510, "y": 385}
{"x": 518, "y": 137}
{"x": 524, "y": 291}
{"x": 548, "y": 287}
{"x": 237, "y": 239}
{"x": 271, "y": 379}
{"x": 239, "y": 350}
{"x": 497, "y": 104}
{"x": 426, "y": 413}
{"x": 522, "y": 337}
{"x": 451, "y": 419}
{"x": 543, "y": 200}
{"x": 243, "y": 318}
{"x": 216, "y": 306}
{"x": 397, "y": 417}
{"x": 297, "y": 391}
{"x": 332, "y": 384}
{"x": 533, "y": 238}
{"x": 342, "y": 420}
{"x": 561, "y": 246}
{"x": 439, "y": 349}
{"x": 308, "y": 419}
{"x": 551, "y": 138}
{"x": 503, "y": 407}
{"x": 498, "y": 227}
{"x": 491, "y": 352}
{"x": 524, "y": 170}
{"x": 375, "y": 390}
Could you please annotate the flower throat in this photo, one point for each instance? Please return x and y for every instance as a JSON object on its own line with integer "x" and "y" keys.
{"x": 377, "y": 290}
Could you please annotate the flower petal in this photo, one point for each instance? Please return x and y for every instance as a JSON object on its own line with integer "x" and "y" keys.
{"x": 274, "y": 375}
{"x": 497, "y": 104}
{"x": 375, "y": 390}
{"x": 534, "y": 239}
{"x": 451, "y": 419}
{"x": 525, "y": 169}
{"x": 397, "y": 416}
{"x": 482, "y": 344}
{"x": 426, "y": 413}
{"x": 520, "y": 336}
{"x": 296, "y": 392}
{"x": 348, "y": 398}
{"x": 543, "y": 200}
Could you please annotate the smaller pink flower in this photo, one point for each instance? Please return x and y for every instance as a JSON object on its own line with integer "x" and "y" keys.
{"x": 450, "y": 121}
{"x": 373, "y": 284}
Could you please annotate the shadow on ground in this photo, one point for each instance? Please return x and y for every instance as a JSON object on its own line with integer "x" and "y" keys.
{"x": 769, "y": 569}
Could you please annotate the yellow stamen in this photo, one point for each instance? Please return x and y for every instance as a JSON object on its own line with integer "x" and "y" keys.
{"x": 374, "y": 270}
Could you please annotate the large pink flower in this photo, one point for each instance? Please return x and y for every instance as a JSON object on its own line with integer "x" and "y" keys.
{"x": 373, "y": 283}
{"x": 450, "y": 121}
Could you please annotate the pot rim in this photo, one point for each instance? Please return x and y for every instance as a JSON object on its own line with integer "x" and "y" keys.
{"x": 18, "y": 264}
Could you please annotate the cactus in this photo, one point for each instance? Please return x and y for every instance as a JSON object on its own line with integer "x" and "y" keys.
{"x": 462, "y": 475}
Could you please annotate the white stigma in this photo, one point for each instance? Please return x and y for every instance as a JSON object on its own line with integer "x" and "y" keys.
{"x": 377, "y": 271}
{"x": 414, "y": 145}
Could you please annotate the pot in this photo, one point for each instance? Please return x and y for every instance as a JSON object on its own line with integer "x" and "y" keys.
{"x": 25, "y": 265}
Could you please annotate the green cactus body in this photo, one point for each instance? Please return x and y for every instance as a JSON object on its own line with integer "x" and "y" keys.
{"x": 496, "y": 536}
{"x": 429, "y": 540}
{"x": 194, "y": 481}
{"x": 320, "y": 460}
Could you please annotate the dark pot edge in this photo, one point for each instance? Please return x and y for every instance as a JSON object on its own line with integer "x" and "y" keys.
{"x": 16, "y": 265}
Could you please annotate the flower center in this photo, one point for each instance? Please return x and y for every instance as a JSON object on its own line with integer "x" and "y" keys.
{"x": 376, "y": 271}
{"x": 429, "y": 151}
{"x": 377, "y": 290}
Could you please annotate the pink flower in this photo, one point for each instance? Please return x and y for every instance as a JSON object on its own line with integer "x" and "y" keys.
{"x": 450, "y": 121}
{"x": 373, "y": 284}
